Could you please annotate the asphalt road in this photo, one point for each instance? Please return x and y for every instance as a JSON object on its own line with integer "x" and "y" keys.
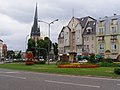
{"x": 20, "y": 80}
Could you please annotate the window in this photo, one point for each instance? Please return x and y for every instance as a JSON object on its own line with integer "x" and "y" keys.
{"x": 84, "y": 38}
{"x": 87, "y": 38}
{"x": 101, "y": 38}
{"x": 78, "y": 39}
{"x": 92, "y": 46}
{"x": 65, "y": 41}
{"x": 62, "y": 34}
{"x": 89, "y": 29}
{"x": 101, "y": 30}
{"x": 113, "y": 30}
{"x": 101, "y": 23}
{"x": 92, "y": 38}
{"x": 114, "y": 22}
{"x": 114, "y": 46}
{"x": 101, "y": 46}
{"x": 87, "y": 46}
{"x": 114, "y": 37}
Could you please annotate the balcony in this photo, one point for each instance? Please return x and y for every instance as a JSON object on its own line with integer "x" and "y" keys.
{"x": 113, "y": 40}
{"x": 114, "y": 51}
{"x": 101, "y": 51}
{"x": 101, "y": 40}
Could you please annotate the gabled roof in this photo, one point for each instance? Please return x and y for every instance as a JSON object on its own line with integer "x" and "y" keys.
{"x": 59, "y": 37}
{"x": 92, "y": 25}
{"x": 1, "y": 40}
{"x": 84, "y": 20}
{"x": 60, "y": 33}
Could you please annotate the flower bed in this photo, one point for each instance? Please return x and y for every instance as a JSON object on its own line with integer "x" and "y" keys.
{"x": 78, "y": 66}
{"x": 28, "y": 62}
{"x": 29, "y": 57}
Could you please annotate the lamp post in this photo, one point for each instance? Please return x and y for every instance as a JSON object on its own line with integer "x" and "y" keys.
{"x": 48, "y": 23}
{"x": 26, "y": 42}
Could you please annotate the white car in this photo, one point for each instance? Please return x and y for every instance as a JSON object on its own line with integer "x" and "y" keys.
{"x": 83, "y": 61}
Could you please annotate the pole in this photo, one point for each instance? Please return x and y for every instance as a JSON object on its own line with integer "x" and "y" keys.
{"x": 48, "y": 35}
{"x": 26, "y": 42}
{"x": 48, "y": 43}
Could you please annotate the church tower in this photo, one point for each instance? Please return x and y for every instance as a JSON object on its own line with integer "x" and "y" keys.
{"x": 35, "y": 31}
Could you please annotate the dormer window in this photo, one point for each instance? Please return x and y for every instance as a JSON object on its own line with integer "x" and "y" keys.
{"x": 89, "y": 29}
{"x": 82, "y": 19}
{"x": 114, "y": 22}
{"x": 101, "y": 23}
{"x": 94, "y": 23}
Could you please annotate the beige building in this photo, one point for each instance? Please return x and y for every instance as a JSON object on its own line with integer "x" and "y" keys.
{"x": 108, "y": 36}
{"x": 73, "y": 38}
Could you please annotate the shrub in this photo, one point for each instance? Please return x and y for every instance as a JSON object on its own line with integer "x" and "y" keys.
{"x": 40, "y": 62}
{"x": 117, "y": 71}
{"x": 19, "y": 61}
{"x": 92, "y": 58}
{"x": 62, "y": 63}
{"x": 107, "y": 64}
{"x": 109, "y": 60}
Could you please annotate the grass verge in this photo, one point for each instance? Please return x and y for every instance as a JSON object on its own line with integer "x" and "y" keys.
{"x": 101, "y": 71}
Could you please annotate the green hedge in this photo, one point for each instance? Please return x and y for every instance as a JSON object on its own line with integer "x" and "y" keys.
{"x": 19, "y": 61}
{"x": 107, "y": 64}
{"x": 40, "y": 62}
{"x": 117, "y": 71}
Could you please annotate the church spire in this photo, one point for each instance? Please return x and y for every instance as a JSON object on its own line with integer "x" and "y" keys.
{"x": 35, "y": 31}
{"x": 36, "y": 15}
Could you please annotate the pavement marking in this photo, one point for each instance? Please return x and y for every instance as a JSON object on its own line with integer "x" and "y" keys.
{"x": 11, "y": 72}
{"x": 118, "y": 84}
{"x": 67, "y": 83}
{"x": 86, "y": 77}
{"x": 13, "y": 76}
{"x": 8, "y": 72}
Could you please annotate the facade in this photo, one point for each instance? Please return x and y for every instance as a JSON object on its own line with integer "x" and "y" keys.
{"x": 4, "y": 51}
{"x": 71, "y": 38}
{"x": 1, "y": 50}
{"x": 35, "y": 31}
{"x": 108, "y": 36}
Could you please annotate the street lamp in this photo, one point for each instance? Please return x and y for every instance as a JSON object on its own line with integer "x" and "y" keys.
{"x": 26, "y": 42}
{"x": 49, "y": 23}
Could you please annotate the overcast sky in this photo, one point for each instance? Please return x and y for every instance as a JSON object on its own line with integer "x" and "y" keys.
{"x": 16, "y": 16}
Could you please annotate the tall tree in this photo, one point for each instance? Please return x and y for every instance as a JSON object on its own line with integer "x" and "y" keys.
{"x": 55, "y": 47}
{"x": 10, "y": 54}
{"x": 31, "y": 46}
{"x": 42, "y": 47}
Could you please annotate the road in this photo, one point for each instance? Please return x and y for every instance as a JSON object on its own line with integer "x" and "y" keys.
{"x": 21, "y": 80}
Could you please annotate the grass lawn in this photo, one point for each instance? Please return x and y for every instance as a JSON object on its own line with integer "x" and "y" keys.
{"x": 101, "y": 71}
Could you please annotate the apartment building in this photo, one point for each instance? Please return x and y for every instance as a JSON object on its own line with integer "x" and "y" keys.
{"x": 73, "y": 38}
{"x": 108, "y": 36}
{"x": 1, "y": 46}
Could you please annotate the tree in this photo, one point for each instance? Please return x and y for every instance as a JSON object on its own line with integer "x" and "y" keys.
{"x": 55, "y": 47}
{"x": 31, "y": 46}
{"x": 10, "y": 54}
{"x": 18, "y": 56}
{"x": 40, "y": 47}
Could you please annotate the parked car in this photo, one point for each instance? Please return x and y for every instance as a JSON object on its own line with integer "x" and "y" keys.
{"x": 83, "y": 61}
